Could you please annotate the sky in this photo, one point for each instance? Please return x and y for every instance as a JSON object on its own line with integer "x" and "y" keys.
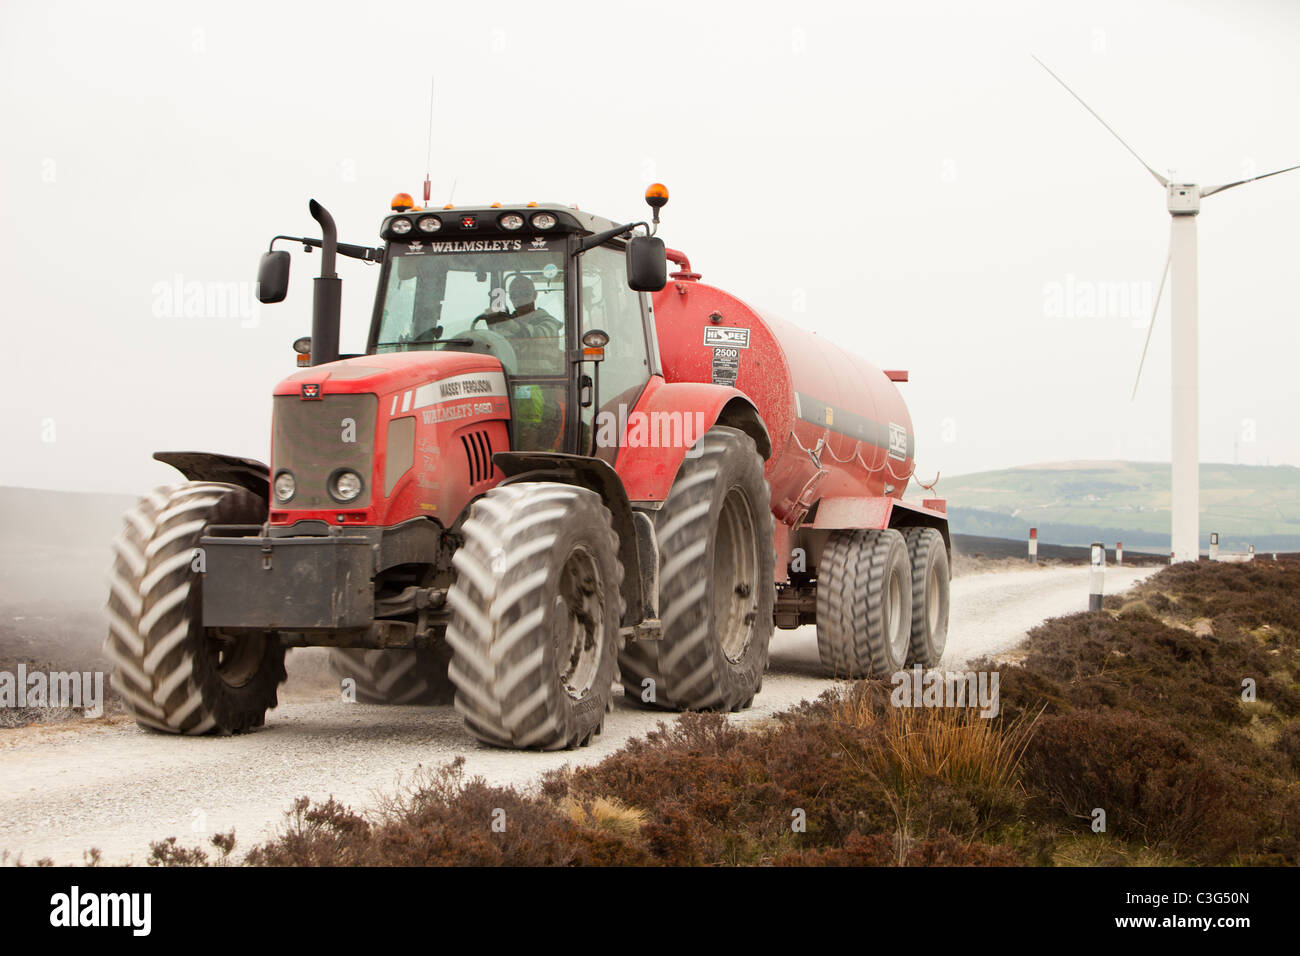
{"x": 902, "y": 178}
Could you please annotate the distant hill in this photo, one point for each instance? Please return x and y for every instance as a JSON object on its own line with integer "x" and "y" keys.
{"x": 1077, "y": 502}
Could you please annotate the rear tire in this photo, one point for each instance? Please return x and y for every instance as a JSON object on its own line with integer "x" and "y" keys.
{"x": 716, "y": 587}
{"x": 536, "y": 613}
{"x": 172, "y": 673}
{"x": 930, "y": 582}
{"x": 864, "y": 604}
{"x": 395, "y": 676}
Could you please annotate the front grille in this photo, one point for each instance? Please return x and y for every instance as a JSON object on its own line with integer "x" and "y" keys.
{"x": 478, "y": 455}
{"x": 313, "y": 440}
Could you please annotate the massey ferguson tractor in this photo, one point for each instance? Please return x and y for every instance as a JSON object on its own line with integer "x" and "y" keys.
{"x": 554, "y": 467}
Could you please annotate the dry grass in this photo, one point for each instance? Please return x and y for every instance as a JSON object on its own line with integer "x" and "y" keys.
{"x": 603, "y": 813}
{"x": 1098, "y": 849}
{"x": 951, "y": 743}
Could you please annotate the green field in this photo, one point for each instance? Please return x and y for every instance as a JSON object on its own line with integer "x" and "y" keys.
{"x": 1079, "y": 501}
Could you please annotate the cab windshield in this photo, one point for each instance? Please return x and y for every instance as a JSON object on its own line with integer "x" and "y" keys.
{"x": 503, "y": 297}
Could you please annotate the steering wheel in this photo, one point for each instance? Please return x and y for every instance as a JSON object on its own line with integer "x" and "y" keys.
{"x": 489, "y": 318}
{"x": 486, "y": 342}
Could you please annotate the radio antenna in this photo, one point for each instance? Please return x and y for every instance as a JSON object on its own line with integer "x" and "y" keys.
{"x": 428, "y": 151}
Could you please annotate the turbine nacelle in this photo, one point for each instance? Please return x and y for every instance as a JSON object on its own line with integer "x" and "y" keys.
{"x": 1184, "y": 199}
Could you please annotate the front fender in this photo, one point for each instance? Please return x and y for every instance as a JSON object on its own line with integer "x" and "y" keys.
{"x": 212, "y": 466}
{"x": 595, "y": 475}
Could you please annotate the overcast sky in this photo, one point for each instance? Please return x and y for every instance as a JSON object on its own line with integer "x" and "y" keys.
{"x": 902, "y": 178}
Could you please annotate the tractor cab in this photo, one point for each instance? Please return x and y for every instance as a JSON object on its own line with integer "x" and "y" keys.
{"x": 544, "y": 289}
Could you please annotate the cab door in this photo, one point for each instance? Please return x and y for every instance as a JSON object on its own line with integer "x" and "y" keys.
{"x": 606, "y": 303}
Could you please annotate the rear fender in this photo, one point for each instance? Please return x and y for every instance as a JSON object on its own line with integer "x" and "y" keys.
{"x": 668, "y": 419}
{"x": 868, "y": 514}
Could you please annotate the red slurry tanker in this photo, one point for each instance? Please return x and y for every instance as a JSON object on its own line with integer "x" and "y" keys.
{"x": 555, "y": 466}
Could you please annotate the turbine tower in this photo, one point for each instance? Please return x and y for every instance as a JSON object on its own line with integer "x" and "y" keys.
{"x": 1184, "y": 204}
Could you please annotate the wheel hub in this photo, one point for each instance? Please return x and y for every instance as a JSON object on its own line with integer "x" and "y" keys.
{"x": 932, "y": 600}
{"x": 236, "y": 658}
{"x": 898, "y": 631}
{"x": 735, "y": 600}
{"x": 578, "y": 622}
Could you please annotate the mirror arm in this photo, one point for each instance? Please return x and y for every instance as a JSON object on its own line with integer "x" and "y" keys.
{"x": 599, "y": 238}
{"x": 364, "y": 253}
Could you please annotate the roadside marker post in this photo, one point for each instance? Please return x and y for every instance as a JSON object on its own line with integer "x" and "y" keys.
{"x": 1119, "y": 553}
{"x": 1096, "y": 575}
{"x": 1214, "y": 546}
{"x": 1033, "y": 545}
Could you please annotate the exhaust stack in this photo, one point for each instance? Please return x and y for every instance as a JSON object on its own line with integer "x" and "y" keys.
{"x": 327, "y": 292}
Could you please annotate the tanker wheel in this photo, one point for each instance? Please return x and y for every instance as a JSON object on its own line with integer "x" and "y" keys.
{"x": 395, "y": 676}
{"x": 715, "y": 583}
{"x": 930, "y": 580}
{"x": 864, "y": 604}
{"x": 172, "y": 673}
{"x": 536, "y": 614}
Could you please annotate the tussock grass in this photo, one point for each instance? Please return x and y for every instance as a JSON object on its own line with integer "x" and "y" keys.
{"x": 603, "y": 813}
{"x": 954, "y": 744}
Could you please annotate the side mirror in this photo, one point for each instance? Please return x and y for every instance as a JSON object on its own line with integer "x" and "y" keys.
{"x": 273, "y": 277}
{"x": 647, "y": 264}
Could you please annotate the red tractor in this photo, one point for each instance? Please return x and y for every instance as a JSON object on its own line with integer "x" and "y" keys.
{"x": 554, "y": 467}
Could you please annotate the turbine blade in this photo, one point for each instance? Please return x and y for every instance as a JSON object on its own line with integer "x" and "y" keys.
{"x": 1155, "y": 308}
{"x": 1160, "y": 179}
{"x": 1211, "y": 190}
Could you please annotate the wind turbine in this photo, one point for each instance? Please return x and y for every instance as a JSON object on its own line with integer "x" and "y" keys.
{"x": 1184, "y": 204}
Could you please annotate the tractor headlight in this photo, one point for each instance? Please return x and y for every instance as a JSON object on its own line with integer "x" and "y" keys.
{"x": 430, "y": 224}
{"x": 543, "y": 220}
{"x": 285, "y": 486}
{"x": 511, "y": 220}
{"x": 400, "y": 226}
{"x": 345, "y": 485}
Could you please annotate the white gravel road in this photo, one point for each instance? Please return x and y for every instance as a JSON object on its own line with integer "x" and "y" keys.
{"x": 66, "y": 788}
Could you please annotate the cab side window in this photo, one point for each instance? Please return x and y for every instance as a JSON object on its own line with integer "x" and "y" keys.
{"x": 608, "y": 304}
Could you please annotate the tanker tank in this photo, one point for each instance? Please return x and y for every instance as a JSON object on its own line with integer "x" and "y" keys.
{"x": 838, "y": 424}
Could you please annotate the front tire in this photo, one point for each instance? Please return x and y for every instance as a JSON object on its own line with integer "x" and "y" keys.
{"x": 536, "y": 614}
{"x": 716, "y": 588}
{"x": 173, "y": 674}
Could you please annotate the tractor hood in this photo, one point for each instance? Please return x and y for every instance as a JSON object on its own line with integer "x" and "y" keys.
{"x": 398, "y": 373}
{"x": 392, "y": 424}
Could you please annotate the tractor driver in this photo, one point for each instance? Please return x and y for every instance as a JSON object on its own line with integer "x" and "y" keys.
{"x": 527, "y": 320}
{"x": 537, "y": 410}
